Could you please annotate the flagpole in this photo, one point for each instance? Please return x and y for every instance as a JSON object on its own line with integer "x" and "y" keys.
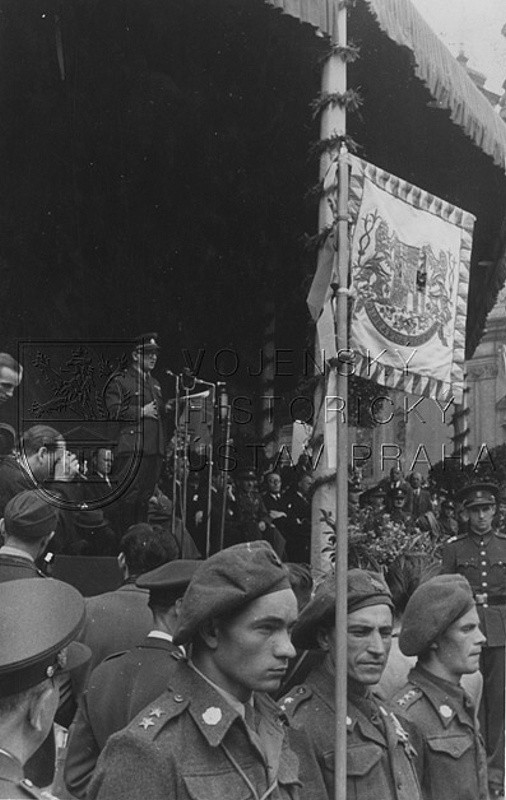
{"x": 341, "y": 549}
{"x": 334, "y": 82}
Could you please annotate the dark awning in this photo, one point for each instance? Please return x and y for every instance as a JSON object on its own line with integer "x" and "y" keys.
{"x": 446, "y": 79}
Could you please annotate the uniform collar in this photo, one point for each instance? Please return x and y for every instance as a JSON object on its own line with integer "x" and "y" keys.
{"x": 11, "y": 768}
{"x": 230, "y": 699}
{"x": 449, "y": 699}
{"x": 8, "y": 550}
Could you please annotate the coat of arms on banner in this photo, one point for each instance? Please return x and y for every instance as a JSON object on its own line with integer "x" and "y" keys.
{"x": 410, "y": 258}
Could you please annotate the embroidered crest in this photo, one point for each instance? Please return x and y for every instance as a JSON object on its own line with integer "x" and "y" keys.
{"x": 212, "y": 715}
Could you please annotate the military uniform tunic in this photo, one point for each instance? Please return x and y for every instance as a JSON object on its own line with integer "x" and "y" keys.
{"x": 13, "y": 783}
{"x": 482, "y": 560}
{"x": 141, "y": 445}
{"x": 191, "y": 744}
{"x": 454, "y": 763}
{"x": 380, "y": 758}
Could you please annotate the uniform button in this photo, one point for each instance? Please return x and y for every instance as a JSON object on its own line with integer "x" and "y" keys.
{"x": 484, "y": 574}
{"x": 484, "y": 584}
{"x": 178, "y": 698}
{"x": 483, "y": 563}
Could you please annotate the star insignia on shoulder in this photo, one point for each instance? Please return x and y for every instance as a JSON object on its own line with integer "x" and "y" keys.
{"x": 146, "y": 723}
{"x": 156, "y": 712}
{"x": 288, "y": 700}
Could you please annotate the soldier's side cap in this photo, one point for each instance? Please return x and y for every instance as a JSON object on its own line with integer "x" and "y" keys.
{"x": 364, "y": 589}
{"x": 431, "y": 609}
{"x": 478, "y": 494}
{"x": 28, "y": 515}
{"x": 227, "y": 582}
{"x": 147, "y": 341}
{"x": 169, "y": 581}
{"x": 398, "y": 492}
{"x": 38, "y": 621}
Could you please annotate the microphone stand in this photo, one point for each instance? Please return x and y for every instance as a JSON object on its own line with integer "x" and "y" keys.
{"x": 209, "y": 450}
{"x": 225, "y": 478}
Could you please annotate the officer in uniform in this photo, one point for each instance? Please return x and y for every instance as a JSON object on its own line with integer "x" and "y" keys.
{"x": 125, "y": 682}
{"x": 480, "y": 555}
{"x": 136, "y": 397}
{"x": 380, "y": 757}
{"x": 38, "y": 621}
{"x": 441, "y": 626}
{"x": 214, "y": 733}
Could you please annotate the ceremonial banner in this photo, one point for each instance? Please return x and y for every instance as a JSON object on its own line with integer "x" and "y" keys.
{"x": 410, "y": 256}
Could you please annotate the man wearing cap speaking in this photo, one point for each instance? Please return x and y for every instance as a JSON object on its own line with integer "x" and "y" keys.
{"x": 441, "y": 627}
{"x": 380, "y": 757}
{"x": 480, "y": 555}
{"x": 38, "y": 621}
{"x": 214, "y": 734}
{"x": 29, "y": 523}
{"x": 125, "y": 682}
{"x": 136, "y": 397}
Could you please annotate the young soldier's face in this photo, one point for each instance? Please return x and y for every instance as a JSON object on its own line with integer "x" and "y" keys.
{"x": 253, "y": 648}
{"x": 459, "y": 647}
{"x": 480, "y": 517}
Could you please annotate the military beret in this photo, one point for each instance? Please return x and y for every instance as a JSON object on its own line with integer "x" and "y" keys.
{"x": 38, "y": 621}
{"x": 169, "y": 581}
{"x": 364, "y": 589}
{"x": 147, "y": 341}
{"x": 431, "y": 609}
{"x": 227, "y": 582}
{"x": 478, "y": 494}
{"x": 28, "y": 515}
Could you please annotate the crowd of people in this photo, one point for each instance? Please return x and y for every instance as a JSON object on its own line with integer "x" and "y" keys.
{"x": 211, "y": 674}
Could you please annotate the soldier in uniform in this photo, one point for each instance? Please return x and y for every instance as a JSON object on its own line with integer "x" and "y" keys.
{"x": 136, "y": 397}
{"x": 38, "y": 621}
{"x": 480, "y": 555}
{"x": 441, "y": 626}
{"x": 380, "y": 758}
{"x": 214, "y": 733}
{"x": 125, "y": 682}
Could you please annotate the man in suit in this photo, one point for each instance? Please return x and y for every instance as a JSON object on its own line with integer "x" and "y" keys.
{"x": 420, "y": 497}
{"x": 480, "y": 556}
{"x": 39, "y": 621}
{"x": 275, "y": 501}
{"x": 135, "y": 397}
{"x": 126, "y": 682}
